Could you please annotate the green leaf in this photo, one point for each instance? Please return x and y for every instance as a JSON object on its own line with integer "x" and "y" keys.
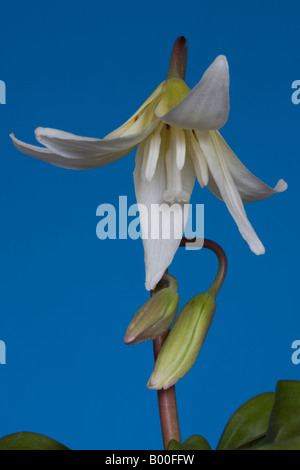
{"x": 175, "y": 445}
{"x": 248, "y": 425}
{"x": 284, "y": 424}
{"x": 289, "y": 444}
{"x": 252, "y": 445}
{"x": 192, "y": 443}
{"x": 29, "y": 441}
{"x": 197, "y": 443}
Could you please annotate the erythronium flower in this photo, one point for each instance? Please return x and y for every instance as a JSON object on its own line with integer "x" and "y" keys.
{"x": 176, "y": 131}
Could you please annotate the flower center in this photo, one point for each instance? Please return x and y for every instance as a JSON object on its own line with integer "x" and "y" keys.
{"x": 173, "y": 144}
{"x": 173, "y": 92}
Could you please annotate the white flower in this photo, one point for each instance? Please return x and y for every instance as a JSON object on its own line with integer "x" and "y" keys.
{"x": 176, "y": 131}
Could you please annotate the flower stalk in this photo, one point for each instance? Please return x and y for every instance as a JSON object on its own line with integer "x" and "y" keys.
{"x": 222, "y": 259}
{"x": 166, "y": 398}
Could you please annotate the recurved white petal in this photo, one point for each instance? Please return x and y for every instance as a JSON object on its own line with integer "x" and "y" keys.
{"x": 162, "y": 224}
{"x": 77, "y": 163}
{"x": 73, "y": 146}
{"x": 249, "y": 186}
{"x": 206, "y": 106}
{"x": 213, "y": 151}
{"x": 74, "y": 152}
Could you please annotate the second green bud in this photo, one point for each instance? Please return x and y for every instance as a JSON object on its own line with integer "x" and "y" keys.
{"x": 181, "y": 347}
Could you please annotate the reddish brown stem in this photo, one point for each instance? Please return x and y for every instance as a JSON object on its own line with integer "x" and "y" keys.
{"x": 219, "y": 252}
{"x": 167, "y": 404}
{"x": 166, "y": 398}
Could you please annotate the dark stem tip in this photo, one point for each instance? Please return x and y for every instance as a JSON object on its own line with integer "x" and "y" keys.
{"x": 178, "y": 59}
{"x": 180, "y": 42}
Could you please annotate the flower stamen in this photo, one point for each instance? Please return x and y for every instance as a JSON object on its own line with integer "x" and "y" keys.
{"x": 198, "y": 158}
{"x": 151, "y": 154}
{"x": 179, "y": 146}
{"x": 174, "y": 191}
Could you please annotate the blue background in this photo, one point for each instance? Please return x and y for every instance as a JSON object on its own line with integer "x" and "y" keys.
{"x": 67, "y": 297}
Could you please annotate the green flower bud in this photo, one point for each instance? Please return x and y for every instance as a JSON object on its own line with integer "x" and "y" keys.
{"x": 181, "y": 347}
{"x": 155, "y": 317}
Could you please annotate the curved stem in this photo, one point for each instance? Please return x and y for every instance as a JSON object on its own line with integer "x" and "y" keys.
{"x": 219, "y": 279}
{"x": 222, "y": 258}
{"x": 167, "y": 398}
